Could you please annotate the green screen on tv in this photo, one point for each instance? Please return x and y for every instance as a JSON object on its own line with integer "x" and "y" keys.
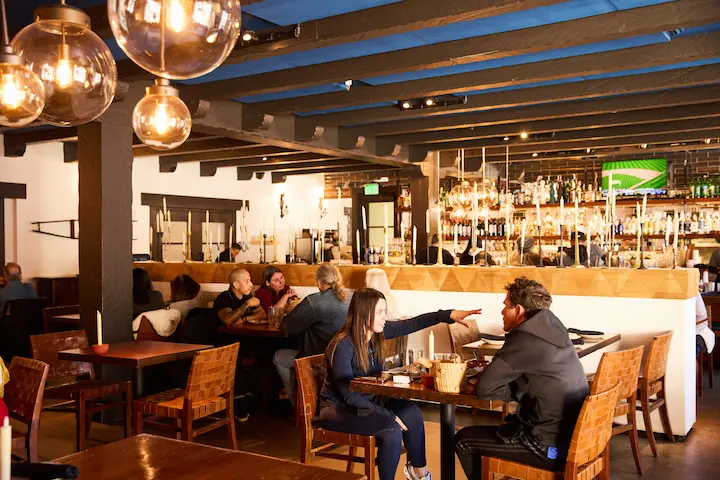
{"x": 640, "y": 176}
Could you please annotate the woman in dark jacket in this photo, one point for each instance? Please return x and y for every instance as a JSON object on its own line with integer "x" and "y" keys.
{"x": 145, "y": 299}
{"x": 356, "y": 352}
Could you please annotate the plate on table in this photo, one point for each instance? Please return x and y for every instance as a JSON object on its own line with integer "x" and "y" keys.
{"x": 574, "y": 336}
{"x": 493, "y": 341}
{"x": 593, "y": 337}
{"x": 259, "y": 321}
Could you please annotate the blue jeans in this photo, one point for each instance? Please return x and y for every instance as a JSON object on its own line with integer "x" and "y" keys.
{"x": 387, "y": 432}
{"x": 284, "y": 361}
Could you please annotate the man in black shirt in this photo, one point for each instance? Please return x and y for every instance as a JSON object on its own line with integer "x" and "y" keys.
{"x": 229, "y": 254}
{"x": 237, "y": 304}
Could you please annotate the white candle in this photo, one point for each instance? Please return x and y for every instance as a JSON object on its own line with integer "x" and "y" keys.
{"x": 427, "y": 221}
{"x": 184, "y": 245}
{"x": 5, "y": 449}
{"x": 668, "y": 227}
{"x": 455, "y": 239}
{"x": 639, "y": 234}
{"x": 537, "y": 211}
{"x": 273, "y": 227}
{"x": 157, "y": 222}
{"x": 151, "y": 237}
{"x": 357, "y": 244}
{"x": 364, "y": 219}
{"x": 218, "y": 238}
{"x": 385, "y": 229}
{"x": 440, "y": 237}
{"x": 644, "y": 208}
{"x": 522, "y": 238}
{"x": 207, "y": 230}
{"x": 676, "y": 229}
{"x": 189, "y": 229}
{"x": 562, "y": 211}
{"x": 99, "y": 328}
{"x": 164, "y": 207}
{"x": 231, "y": 240}
{"x": 431, "y": 344}
{"x": 414, "y": 240}
{"x": 169, "y": 220}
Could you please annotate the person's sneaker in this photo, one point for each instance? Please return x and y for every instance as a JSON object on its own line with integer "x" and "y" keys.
{"x": 242, "y": 413}
{"x": 242, "y": 419}
{"x": 411, "y": 476}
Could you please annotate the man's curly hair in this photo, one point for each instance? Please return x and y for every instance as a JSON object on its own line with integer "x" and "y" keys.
{"x": 530, "y": 294}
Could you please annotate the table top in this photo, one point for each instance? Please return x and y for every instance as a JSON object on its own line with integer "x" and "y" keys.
{"x": 253, "y": 330}
{"x": 418, "y": 391}
{"x": 138, "y": 353}
{"x": 148, "y": 457}
{"x": 481, "y": 348}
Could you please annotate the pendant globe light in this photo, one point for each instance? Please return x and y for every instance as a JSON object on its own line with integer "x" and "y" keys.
{"x": 176, "y": 39}
{"x": 75, "y": 65}
{"x": 487, "y": 191}
{"x": 461, "y": 196}
{"x": 22, "y": 94}
{"x": 160, "y": 119}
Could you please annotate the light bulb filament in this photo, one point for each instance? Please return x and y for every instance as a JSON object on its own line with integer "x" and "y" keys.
{"x": 63, "y": 73}
{"x": 161, "y": 119}
{"x": 176, "y": 16}
{"x": 10, "y": 95}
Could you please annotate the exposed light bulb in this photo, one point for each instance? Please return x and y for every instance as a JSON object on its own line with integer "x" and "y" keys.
{"x": 63, "y": 73}
{"x": 429, "y": 102}
{"x": 535, "y": 154}
{"x": 644, "y": 145}
{"x": 10, "y": 95}
{"x": 247, "y": 36}
{"x": 506, "y": 138}
{"x": 524, "y": 135}
{"x": 160, "y": 119}
{"x": 406, "y": 105}
{"x": 707, "y": 140}
{"x": 348, "y": 83}
{"x": 176, "y": 17}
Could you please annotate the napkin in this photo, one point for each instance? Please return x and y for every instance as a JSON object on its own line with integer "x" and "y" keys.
{"x": 585, "y": 332}
{"x": 44, "y": 471}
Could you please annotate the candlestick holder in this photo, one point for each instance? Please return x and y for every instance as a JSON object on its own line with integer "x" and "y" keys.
{"x": 274, "y": 244}
{"x": 540, "y": 254}
{"x": 264, "y": 248}
{"x": 674, "y": 255}
{"x": 642, "y": 250}
{"x": 485, "y": 262}
{"x": 427, "y": 248}
{"x": 562, "y": 247}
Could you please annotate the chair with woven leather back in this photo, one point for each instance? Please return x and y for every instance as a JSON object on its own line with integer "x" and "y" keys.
{"x": 209, "y": 390}
{"x": 24, "y": 396}
{"x": 652, "y": 383}
{"x": 74, "y": 382}
{"x": 461, "y": 335}
{"x": 21, "y": 318}
{"x": 623, "y": 367}
{"x": 310, "y": 375}
{"x": 589, "y": 453}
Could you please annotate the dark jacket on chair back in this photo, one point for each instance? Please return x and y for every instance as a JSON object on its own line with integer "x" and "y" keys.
{"x": 539, "y": 368}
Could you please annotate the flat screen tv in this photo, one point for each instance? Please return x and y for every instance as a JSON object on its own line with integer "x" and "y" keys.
{"x": 632, "y": 177}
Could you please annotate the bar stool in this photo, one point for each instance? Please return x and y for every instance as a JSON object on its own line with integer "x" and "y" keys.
{"x": 652, "y": 382}
{"x": 623, "y": 367}
{"x": 589, "y": 452}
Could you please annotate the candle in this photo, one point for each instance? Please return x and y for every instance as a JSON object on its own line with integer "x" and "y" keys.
{"x": 169, "y": 221}
{"x": 364, "y": 219}
{"x": 639, "y": 234}
{"x": 357, "y": 244}
{"x": 431, "y": 342}
{"x": 427, "y": 221}
{"x": 676, "y": 229}
{"x": 668, "y": 227}
{"x": 455, "y": 240}
{"x": 184, "y": 244}
{"x": 385, "y": 229}
{"x": 562, "y": 211}
{"x": 414, "y": 242}
{"x": 164, "y": 207}
{"x": 207, "y": 231}
{"x": 440, "y": 237}
{"x": 644, "y": 208}
{"x": 273, "y": 227}
{"x": 231, "y": 240}
{"x": 157, "y": 222}
{"x": 151, "y": 238}
{"x": 537, "y": 211}
{"x": 218, "y": 238}
{"x": 5, "y": 449}
{"x": 522, "y": 238}
{"x": 99, "y": 328}
{"x": 189, "y": 223}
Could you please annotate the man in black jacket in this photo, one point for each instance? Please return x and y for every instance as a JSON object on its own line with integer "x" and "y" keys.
{"x": 537, "y": 367}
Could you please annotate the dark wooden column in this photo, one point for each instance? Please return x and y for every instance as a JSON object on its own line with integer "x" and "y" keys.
{"x": 419, "y": 191}
{"x": 8, "y": 190}
{"x": 105, "y": 171}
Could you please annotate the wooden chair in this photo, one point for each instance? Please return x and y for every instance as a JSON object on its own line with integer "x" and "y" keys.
{"x": 704, "y": 360}
{"x": 623, "y": 367}
{"x": 53, "y": 324}
{"x": 652, "y": 382}
{"x": 75, "y": 383}
{"x": 589, "y": 453}
{"x": 21, "y": 318}
{"x": 209, "y": 390}
{"x": 24, "y": 396}
{"x": 310, "y": 375}
{"x": 461, "y": 335}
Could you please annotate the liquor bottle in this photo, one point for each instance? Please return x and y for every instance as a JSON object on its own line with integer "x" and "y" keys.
{"x": 566, "y": 192}
{"x": 705, "y": 187}
{"x": 553, "y": 198}
{"x": 560, "y": 188}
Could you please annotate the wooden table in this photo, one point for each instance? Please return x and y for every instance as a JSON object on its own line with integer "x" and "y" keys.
{"x": 147, "y": 457}
{"x": 481, "y": 348}
{"x": 136, "y": 354}
{"x": 448, "y": 401}
{"x": 253, "y": 330}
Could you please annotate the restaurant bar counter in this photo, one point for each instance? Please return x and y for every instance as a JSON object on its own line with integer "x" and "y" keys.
{"x": 634, "y": 303}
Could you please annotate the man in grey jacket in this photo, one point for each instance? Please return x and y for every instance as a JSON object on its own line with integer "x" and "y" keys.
{"x": 537, "y": 367}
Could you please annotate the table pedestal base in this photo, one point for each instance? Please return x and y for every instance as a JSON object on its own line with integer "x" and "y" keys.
{"x": 447, "y": 441}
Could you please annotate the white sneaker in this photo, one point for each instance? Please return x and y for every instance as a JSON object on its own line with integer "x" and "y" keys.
{"x": 410, "y": 476}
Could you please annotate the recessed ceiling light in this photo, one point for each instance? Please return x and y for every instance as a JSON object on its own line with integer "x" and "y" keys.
{"x": 534, "y": 154}
{"x": 248, "y": 35}
{"x": 506, "y": 138}
{"x": 707, "y": 140}
{"x": 644, "y": 145}
{"x": 524, "y": 135}
{"x": 264, "y": 159}
{"x": 406, "y": 105}
{"x": 589, "y": 150}
{"x": 429, "y": 102}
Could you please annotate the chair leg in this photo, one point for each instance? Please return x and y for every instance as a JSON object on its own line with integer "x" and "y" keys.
{"x": 605, "y": 473}
{"x": 187, "y": 426}
{"x": 178, "y": 426}
{"x": 370, "y": 458}
{"x": 230, "y": 412}
{"x": 138, "y": 415}
{"x": 31, "y": 445}
{"x": 486, "y": 473}
{"x": 645, "y": 403}
{"x": 80, "y": 420}
{"x": 305, "y": 447}
{"x": 89, "y": 417}
{"x": 128, "y": 410}
{"x": 711, "y": 374}
{"x": 665, "y": 415}
{"x": 633, "y": 434}
{"x": 699, "y": 375}
{"x": 351, "y": 454}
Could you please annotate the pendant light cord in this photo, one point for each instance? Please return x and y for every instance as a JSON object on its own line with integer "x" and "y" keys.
{"x": 163, "y": 19}
{"x": 5, "y": 39}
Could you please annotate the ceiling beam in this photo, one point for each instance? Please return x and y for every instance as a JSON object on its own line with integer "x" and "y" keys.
{"x": 619, "y": 153}
{"x": 562, "y": 124}
{"x": 590, "y": 89}
{"x": 358, "y": 168}
{"x": 305, "y": 166}
{"x": 598, "y": 28}
{"x": 257, "y": 151}
{"x": 683, "y": 49}
{"x": 208, "y": 169}
{"x": 199, "y": 146}
{"x": 599, "y": 106}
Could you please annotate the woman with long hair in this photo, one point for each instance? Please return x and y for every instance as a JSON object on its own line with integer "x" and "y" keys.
{"x": 273, "y": 291}
{"x": 355, "y": 351}
{"x": 145, "y": 299}
{"x": 314, "y": 322}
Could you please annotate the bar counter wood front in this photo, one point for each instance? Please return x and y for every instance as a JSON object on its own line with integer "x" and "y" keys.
{"x": 637, "y": 304}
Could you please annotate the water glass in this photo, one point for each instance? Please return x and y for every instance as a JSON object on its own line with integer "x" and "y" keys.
{"x": 274, "y": 316}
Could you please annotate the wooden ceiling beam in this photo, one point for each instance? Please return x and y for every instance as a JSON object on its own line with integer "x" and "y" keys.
{"x": 590, "y": 89}
{"x": 619, "y": 153}
{"x": 279, "y": 176}
{"x": 598, "y": 106}
{"x": 682, "y": 49}
{"x": 305, "y": 166}
{"x": 208, "y": 169}
{"x": 258, "y": 151}
{"x": 196, "y": 147}
{"x": 562, "y": 124}
{"x": 582, "y": 31}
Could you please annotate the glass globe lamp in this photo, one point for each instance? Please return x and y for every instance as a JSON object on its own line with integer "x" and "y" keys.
{"x": 161, "y": 120}
{"x": 461, "y": 196}
{"x": 22, "y": 94}
{"x": 176, "y": 39}
{"x": 487, "y": 193}
{"x": 75, "y": 65}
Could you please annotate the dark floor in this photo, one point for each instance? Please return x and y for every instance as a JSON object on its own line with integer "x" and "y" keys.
{"x": 273, "y": 434}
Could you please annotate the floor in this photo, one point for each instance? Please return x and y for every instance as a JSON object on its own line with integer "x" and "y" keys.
{"x": 694, "y": 459}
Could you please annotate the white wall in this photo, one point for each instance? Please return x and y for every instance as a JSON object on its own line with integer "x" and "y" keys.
{"x": 52, "y": 194}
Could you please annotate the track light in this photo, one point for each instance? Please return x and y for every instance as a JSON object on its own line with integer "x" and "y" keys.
{"x": 506, "y": 138}
{"x": 524, "y": 135}
{"x": 248, "y": 35}
{"x": 429, "y": 102}
{"x": 264, "y": 159}
{"x": 588, "y": 150}
{"x": 535, "y": 154}
{"x": 406, "y": 105}
{"x": 644, "y": 145}
{"x": 707, "y": 140}
{"x": 436, "y": 102}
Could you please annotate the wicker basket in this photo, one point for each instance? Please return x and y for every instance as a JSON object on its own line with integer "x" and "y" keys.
{"x": 449, "y": 376}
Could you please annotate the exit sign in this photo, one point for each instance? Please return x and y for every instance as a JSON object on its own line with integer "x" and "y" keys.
{"x": 372, "y": 189}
